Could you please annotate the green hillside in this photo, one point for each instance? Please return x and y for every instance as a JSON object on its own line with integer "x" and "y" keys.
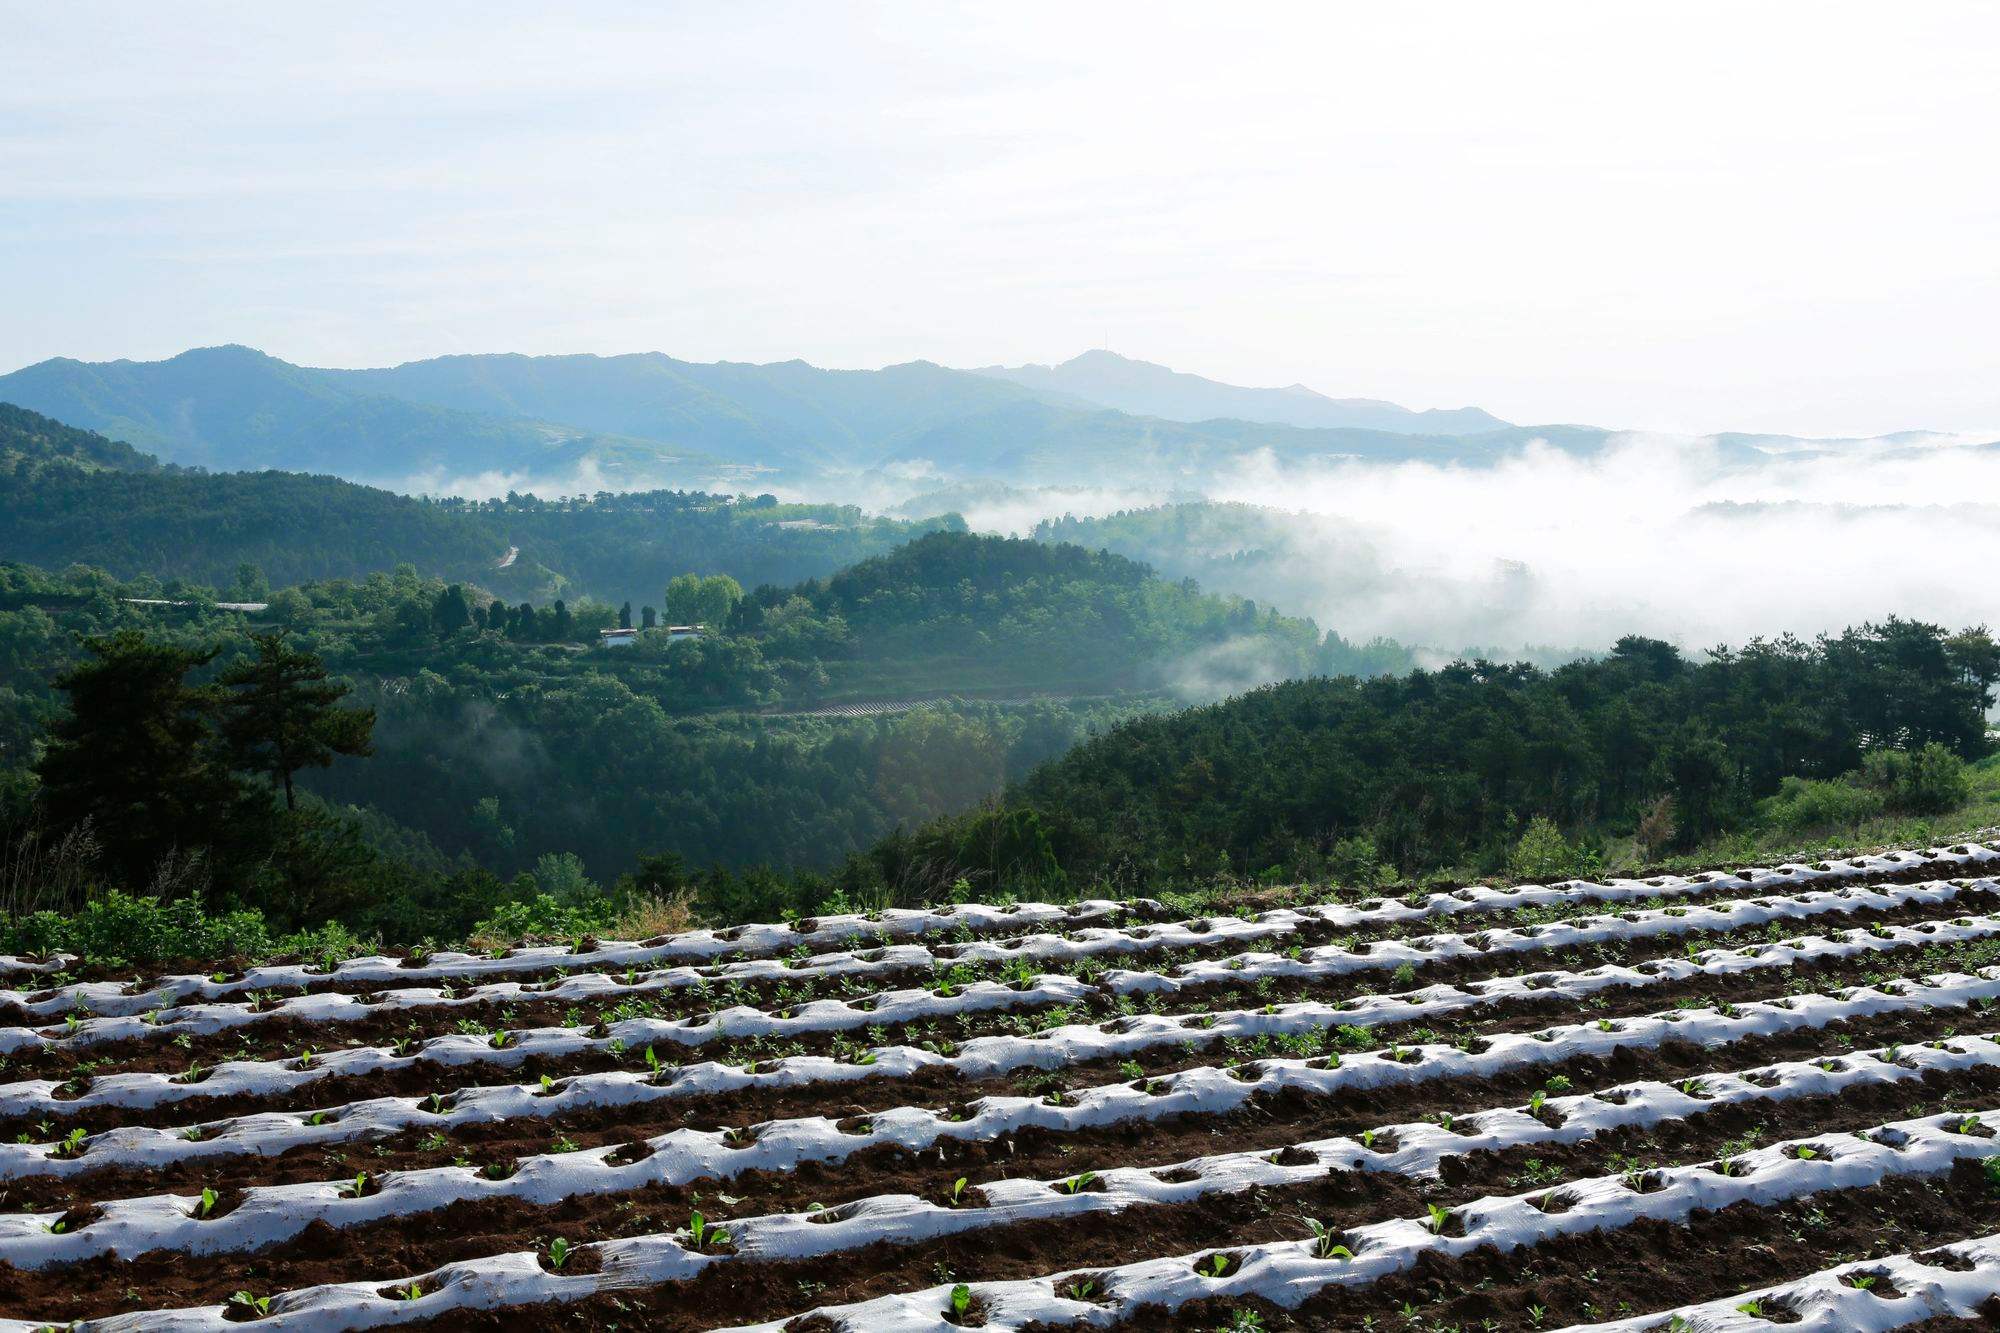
{"x": 73, "y": 497}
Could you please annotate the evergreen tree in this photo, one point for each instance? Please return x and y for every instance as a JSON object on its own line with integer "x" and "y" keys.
{"x": 282, "y": 713}
{"x": 451, "y": 612}
{"x": 625, "y": 616}
{"x": 135, "y": 757}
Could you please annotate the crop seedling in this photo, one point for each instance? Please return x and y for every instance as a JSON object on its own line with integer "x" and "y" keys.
{"x": 355, "y": 1188}
{"x": 1077, "y": 1184}
{"x": 1439, "y": 1215}
{"x": 1326, "y": 1241}
{"x": 559, "y": 1252}
{"x": 961, "y": 1302}
{"x": 258, "y": 1306}
{"x": 956, "y": 1195}
{"x": 206, "y": 1206}
{"x": 704, "y": 1235}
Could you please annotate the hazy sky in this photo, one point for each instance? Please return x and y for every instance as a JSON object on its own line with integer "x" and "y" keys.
{"x": 1677, "y": 216}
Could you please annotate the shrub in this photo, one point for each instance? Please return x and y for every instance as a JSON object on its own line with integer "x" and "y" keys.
{"x": 1802, "y": 805}
{"x": 1543, "y": 854}
{"x": 539, "y": 917}
{"x": 1930, "y": 781}
{"x": 1355, "y": 863}
{"x": 117, "y": 927}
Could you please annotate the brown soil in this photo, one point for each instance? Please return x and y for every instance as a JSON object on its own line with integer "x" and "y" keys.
{"x": 278, "y": 1038}
{"x": 752, "y": 1104}
{"x": 1343, "y": 1199}
{"x": 1033, "y": 1152}
{"x": 1646, "y": 1267}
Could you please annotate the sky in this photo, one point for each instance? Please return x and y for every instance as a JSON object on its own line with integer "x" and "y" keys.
{"x": 1679, "y": 217}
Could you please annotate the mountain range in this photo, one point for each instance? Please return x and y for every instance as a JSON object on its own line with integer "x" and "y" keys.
{"x": 1144, "y": 389}
{"x": 650, "y": 419}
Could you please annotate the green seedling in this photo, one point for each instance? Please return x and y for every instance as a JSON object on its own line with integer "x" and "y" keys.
{"x": 355, "y": 1188}
{"x": 206, "y": 1207}
{"x": 1439, "y": 1215}
{"x": 961, "y": 1301}
{"x": 956, "y": 1196}
{"x": 259, "y": 1306}
{"x": 705, "y": 1235}
{"x": 559, "y": 1252}
{"x": 1326, "y": 1241}
{"x": 1077, "y": 1184}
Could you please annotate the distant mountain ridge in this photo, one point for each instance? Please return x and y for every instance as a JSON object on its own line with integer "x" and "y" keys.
{"x": 647, "y": 420}
{"x": 1143, "y": 388}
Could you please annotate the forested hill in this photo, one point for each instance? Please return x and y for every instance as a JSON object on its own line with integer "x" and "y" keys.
{"x": 1444, "y": 768}
{"x": 953, "y": 607}
{"x": 69, "y": 497}
{"x": 31, "y": 442}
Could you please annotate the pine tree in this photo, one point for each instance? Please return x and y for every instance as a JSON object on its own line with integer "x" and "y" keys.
{"x": 451, "y": 612}
{"x": 282, "y": 714}
{"x": 136, "y": 759}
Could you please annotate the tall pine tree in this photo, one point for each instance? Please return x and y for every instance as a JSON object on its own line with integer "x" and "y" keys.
{"x": 282, "y": 713}
{"x": 135, "y": 757}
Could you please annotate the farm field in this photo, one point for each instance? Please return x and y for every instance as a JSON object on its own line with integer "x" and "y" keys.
{"x": 1748, "y": 1097}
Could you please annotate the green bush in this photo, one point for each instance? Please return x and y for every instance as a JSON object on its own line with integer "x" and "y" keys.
{"x": 1929, "y": 781}
{"x": 1802, "y": 805}
{"x": 544, "y": 917}
{"x": 1543, "y": 854}
{"x": 1355, "y": 863}
{"x": 124, "y": 928}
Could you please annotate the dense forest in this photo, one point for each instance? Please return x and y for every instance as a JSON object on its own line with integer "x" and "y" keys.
{"x": 72, "y": 497}
{"x": 1443, "y": 768}
{"x": 507, "y": 732}
{"x": 402, "y": 730}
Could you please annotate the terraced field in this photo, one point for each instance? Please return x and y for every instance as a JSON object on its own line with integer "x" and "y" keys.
{"x": 1765, "y": 1096}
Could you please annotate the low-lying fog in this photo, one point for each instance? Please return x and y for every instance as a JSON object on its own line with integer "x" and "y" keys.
{"x": 1656, "y": 535}
{"x": 1676, "y": 537}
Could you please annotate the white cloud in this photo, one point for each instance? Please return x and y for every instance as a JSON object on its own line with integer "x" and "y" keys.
{"x": 1712, "y": 217}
